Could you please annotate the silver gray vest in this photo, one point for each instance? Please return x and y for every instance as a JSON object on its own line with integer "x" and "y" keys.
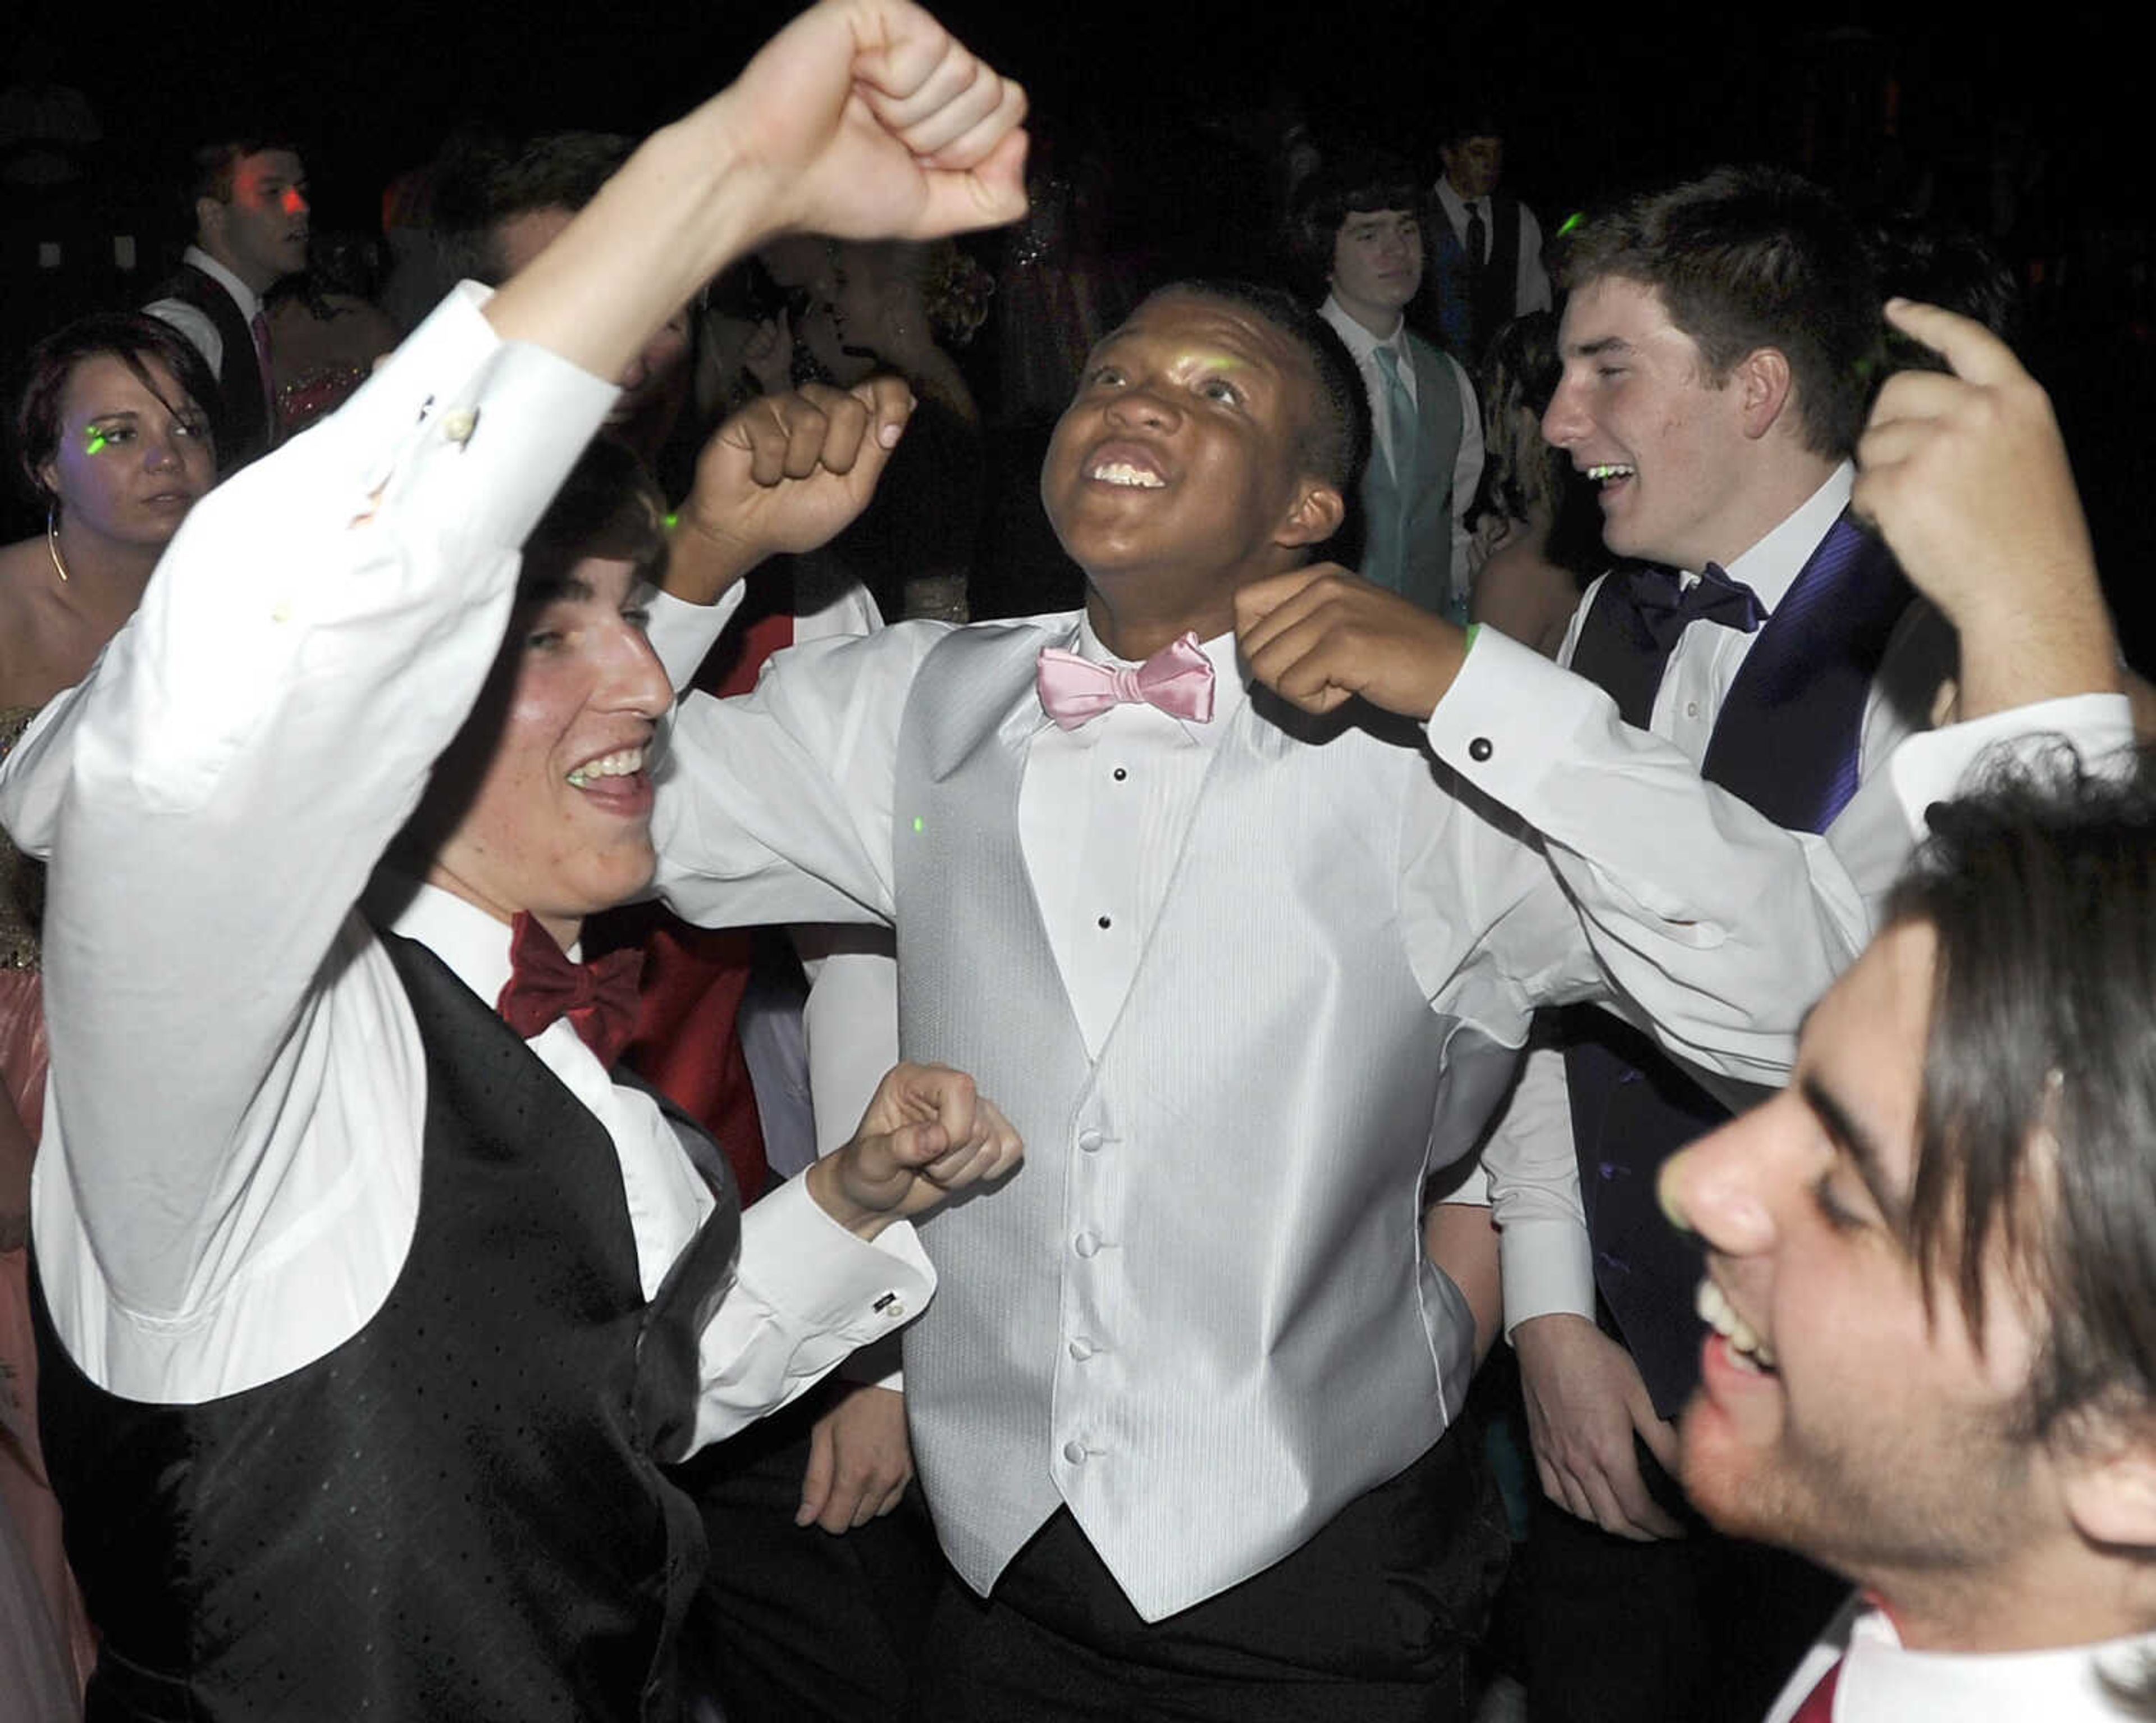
{"x": 1200, "y": 1313}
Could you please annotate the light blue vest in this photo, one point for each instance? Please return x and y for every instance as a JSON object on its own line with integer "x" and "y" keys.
{"x": 1408, "y": 548}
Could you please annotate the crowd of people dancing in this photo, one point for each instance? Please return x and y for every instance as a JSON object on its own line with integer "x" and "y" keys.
{"x": 1467, "y": 1036}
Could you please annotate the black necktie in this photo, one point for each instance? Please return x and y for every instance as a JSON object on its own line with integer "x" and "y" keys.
{"x": 1478, "y": 237}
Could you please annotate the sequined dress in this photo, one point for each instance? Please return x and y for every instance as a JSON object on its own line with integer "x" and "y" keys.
{"x": 45, "y": 1645}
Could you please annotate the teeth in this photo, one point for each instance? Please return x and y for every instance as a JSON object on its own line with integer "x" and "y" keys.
{"x": 1715, "y": 1310}
{"x": 1121, "y": 472}
{"x": 1611, "y": 469}
{"x": 622, "y": 764}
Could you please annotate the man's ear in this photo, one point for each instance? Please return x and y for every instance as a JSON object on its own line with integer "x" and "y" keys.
{"x": 1762, "y": 381}
{"x": 209, "y": 217}
{"x": 1315, "y": 516}
{"x": 2109, "y": 1486}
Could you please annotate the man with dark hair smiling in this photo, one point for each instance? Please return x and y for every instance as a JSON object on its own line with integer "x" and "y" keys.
{"x": 371, "y": 1305}
{"x": 1931, "y": 1261}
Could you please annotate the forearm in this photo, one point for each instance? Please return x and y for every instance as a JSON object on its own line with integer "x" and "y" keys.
{"x": 249, "y": 746}
{"x": 1462, "y": 1240}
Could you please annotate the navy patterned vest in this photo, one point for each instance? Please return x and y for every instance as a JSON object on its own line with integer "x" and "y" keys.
{"x": 1788, "y": 741}
{"x": 459, "y": 1514}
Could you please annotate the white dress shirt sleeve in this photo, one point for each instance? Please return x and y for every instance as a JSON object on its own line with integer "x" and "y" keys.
{"x": 1718, "y": 926}
{"x": 807, "y": 1293}
{"x": 240, "y": 758}
{"x": 1547, "y": 1261}
{"x": 776, "y": 806}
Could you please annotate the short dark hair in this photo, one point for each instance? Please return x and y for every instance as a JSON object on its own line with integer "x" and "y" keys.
{"x": 608, "y": 506}
{"x": 213, "y": 168}
{"x": 2036, "y": 1127}
{"x": 556, "y": 169}
{"x": 1746, "y": 258}
{"x": 1336, "y": 438}
{"x": 1464, "y": 120}
{"x": 129, "y": 336}
{"x": 1342, "y": 185}
{"x": 1945, "y": 264}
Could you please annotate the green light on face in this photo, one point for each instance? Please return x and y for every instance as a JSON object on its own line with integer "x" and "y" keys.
{"x": 94, "y": 443}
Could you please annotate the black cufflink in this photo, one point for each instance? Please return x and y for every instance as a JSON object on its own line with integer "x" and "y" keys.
{"x": 1479, "y": 749}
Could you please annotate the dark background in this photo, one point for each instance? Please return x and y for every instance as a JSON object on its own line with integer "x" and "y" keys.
{"x": 1890, "y": 106}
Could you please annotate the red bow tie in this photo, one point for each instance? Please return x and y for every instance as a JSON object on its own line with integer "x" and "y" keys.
{"x": 599, "y": 997}
{"x": 1177, "y": 679}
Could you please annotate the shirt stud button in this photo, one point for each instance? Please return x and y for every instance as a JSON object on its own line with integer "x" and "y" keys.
{"x": 1479, "y": 749}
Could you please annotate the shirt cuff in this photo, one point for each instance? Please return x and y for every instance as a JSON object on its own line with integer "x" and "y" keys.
{"x": 1937, "y": 765}
{"x": 683, "y": 634}
{"x": 1548, "y": 1269}
{"x": 818, "y": 1277}
{"x": 1509, "y": 714}
{"x": 495, "y": 425}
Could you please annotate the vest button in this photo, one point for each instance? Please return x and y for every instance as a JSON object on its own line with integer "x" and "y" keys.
{"x": 1090, "y": 1141}
{"x": 1086, "y": 1245}
{"x": 1075, "y": 1452}
{"x": 1082, "y": 1348}
{"x": 1479, "y": 749}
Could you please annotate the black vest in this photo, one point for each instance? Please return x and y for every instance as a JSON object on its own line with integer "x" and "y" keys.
{"x": 1788, "y": 741}
{"x": 240, "y": 416}
{"x": 459, "y": 1514}
{"x": 1474, "y": 301}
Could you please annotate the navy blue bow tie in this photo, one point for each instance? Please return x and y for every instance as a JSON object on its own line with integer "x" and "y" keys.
{"x": 1668, "y": 607}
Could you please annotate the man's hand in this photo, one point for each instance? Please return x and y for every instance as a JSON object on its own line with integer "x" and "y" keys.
{"x": 866, "y": 119}
{"x": 1318, "y": 636}
{"x": 926, "y": 1134}
{"x": 860, "y": 1459}
{"x": 1584, "y": 1400}
{"x": 785, "y": 474}
{"x": 862, "y": 118}
{"x": 1966, "y": 477}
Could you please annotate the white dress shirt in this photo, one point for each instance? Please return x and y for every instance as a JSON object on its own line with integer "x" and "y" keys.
{"x": 1530, "y": 288}
{"x": 1883, "y": 1682}
{"x": 1595, "y": 786}
{"x": 1466, "y": 466}
{"x": 191, "y": 320}
{"x": 229, "y": 1177}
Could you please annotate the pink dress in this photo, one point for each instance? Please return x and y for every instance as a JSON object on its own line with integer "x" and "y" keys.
{"x": 45, "y": 1641}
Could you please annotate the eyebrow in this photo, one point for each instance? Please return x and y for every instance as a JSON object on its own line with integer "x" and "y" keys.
{"x": 557, "y": 589}
{"x": 1861, "y": 1148}
{"x": 1608, "y": 344}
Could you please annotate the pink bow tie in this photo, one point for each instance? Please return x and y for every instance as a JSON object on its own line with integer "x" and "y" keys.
{"x": 1177, "y": 679}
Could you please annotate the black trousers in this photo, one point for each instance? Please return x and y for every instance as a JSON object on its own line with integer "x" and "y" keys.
{"x": 1702, "y": 1629}
{"x": 797, "y": 1624}
{"x": 1371, "y": 1621}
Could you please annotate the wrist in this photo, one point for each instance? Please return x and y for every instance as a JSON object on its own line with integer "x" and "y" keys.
{"x": 827, "y": 1184}
{"x": 705, "y": 561}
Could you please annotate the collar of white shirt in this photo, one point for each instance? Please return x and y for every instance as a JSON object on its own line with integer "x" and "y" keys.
{"x": 1457, "y": 208}
{"x": 1880, "y": 1681}
{"x": 1770, "y": 568}
{"x": 243, "y": 296}
{"x": 472, "y": 942}
{"x": 1229, "y": 693}
{"x": 1362, "y": 343}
